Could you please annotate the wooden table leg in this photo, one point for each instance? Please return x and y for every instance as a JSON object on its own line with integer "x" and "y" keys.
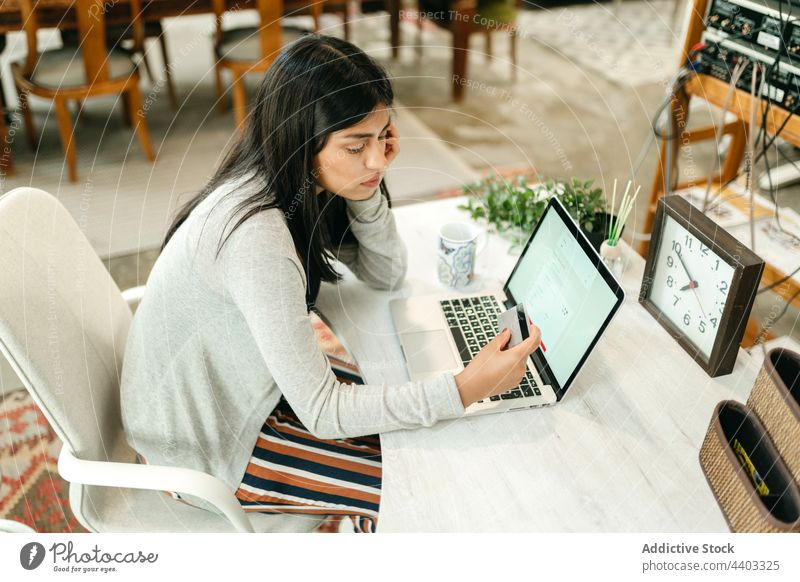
{"x": 462, "y": 26}
{"x": 394, "y": 26}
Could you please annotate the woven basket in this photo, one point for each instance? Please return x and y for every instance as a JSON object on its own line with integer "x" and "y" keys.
{"x": 743, "y": 508}
{"x": 774, "y": 399}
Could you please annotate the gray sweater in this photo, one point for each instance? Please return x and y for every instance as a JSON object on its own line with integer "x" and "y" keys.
{"x": 216, "y": 341}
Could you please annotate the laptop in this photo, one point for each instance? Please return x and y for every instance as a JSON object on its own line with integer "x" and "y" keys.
{"x": 567, "y": 290}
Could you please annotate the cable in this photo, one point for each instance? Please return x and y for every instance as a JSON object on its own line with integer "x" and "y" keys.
{"x": 680, "y": 75}
{"x": 772, "y": 68}
{"x": 779, "y": 281}
{"x": 751, "y": 147}
{"x": 683, "y": 76}
{"x": 735, "y": 74}
{"x": 772, "y": 192}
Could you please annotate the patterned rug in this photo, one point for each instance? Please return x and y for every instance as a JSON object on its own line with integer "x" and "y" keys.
{"x": 31, "y": 490}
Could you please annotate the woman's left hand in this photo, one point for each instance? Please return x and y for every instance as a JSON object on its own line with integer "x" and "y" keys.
{"x": 392, "y": 143}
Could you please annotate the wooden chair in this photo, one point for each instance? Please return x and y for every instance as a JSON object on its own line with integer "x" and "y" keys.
{"x": 317, "y": 7}
{"x": 124, "y": 35}
{"x": 76, "y": 73}
{"x": 463, "y": 17}
{"x": 251, "y": 49}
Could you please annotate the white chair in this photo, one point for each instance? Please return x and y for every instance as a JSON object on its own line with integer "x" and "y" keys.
{"x": 63, "y": 327}
{"x": 9, "y": 526}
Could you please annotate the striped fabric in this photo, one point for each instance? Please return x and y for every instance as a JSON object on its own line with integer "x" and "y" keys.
{"x": 292, "y": 471}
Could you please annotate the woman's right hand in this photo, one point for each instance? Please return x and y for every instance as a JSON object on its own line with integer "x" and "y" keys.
{"x": 494, "y": 369}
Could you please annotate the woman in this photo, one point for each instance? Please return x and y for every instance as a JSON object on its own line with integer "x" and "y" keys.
{"x": 222, "y": 339}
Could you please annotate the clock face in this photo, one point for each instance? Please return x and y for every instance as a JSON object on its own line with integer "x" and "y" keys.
{"x": 690, "y": 285}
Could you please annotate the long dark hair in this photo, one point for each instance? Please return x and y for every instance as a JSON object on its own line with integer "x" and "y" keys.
{"x": 316, "y": 86}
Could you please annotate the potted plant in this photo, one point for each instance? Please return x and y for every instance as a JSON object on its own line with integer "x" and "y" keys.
{"x": 515, "y": 205}
{"x": 610, "y": 249}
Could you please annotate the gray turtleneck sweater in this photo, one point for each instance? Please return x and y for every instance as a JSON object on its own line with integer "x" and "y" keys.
{"x": 216, "y": 341}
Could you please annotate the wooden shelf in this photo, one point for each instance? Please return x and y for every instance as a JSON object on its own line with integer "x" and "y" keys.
{"x": 714, "y": 91}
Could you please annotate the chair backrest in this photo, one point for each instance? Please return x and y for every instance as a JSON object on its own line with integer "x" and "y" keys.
{"x": 270, "y": 13}
{"x": 90, "y": 16}
{"x": 63, "y": 323}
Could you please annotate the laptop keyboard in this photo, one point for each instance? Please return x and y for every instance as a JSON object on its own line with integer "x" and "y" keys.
{"x": 473, "y": 324}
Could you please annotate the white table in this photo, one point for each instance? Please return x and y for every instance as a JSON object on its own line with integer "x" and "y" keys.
{"x": 619, "y": 453}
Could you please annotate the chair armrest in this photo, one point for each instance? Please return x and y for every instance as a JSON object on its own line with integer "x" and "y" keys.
{"x": 158, "y": 478}
{"x": 133, "y": 295}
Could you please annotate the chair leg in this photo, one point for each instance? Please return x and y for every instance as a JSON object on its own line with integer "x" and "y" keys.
{"x": 6, "y": 160}
{"x": 460, "y": 45}
{"x": 221, "y": 104}
{"x": 419, "y": 35}
{"x": 78, "y": 110}
{"x": 346, "y": 22}
{"x": 27, "y": 116}
{"x": 67, "y": 137}
{"x": 147, "y": 68}
{"x": 127, "y": 116}
{"x": 173, "y": 96}
{"x": 513, "y": 41}
{"x": 239, "y": 99}
{"x": 139, "y": 122}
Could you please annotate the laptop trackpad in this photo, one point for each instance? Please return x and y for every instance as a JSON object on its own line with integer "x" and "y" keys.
{"x": 432, "y": 351}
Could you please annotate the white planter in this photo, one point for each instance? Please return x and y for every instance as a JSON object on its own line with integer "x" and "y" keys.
{"x": 612, "y": 257}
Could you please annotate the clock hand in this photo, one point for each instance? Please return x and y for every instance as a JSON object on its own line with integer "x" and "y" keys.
{"x": 696, "y": 296}
{"x": 680, "y": 258}
{"x": 692, "y": 285}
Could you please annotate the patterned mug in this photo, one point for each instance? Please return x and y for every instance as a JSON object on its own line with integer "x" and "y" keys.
{"x": 458, "y": 246}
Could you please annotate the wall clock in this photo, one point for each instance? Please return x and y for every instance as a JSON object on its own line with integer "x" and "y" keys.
{"x": 699, "y": 283}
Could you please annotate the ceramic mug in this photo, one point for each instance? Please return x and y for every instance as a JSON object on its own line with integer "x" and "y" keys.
{"x": 457, "y": 246}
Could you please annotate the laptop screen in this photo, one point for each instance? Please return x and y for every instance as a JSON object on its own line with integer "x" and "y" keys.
{"x": 567, "y": 291}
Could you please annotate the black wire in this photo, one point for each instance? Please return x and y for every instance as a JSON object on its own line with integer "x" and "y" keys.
{"x": 779, "y": 281}
{"x": 763, "y": 138}
{"x": 680, "y": 83}
{"x": 765, "y": 150}
{"x": 733, "y": 37}
{"x": 791, "y": 113}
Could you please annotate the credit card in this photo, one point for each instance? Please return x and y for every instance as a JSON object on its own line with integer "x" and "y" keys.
{"x": 516, "y": 320}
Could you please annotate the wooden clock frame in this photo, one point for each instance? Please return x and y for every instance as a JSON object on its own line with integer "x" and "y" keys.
{"x": 747, "y": 270}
